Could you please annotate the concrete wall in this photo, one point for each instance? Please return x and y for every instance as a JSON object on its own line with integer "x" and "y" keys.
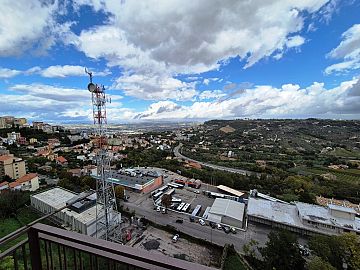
{"x": 342, "y": 214}
{"x": 157, "y": 183}
{"x": 231, "y": 221}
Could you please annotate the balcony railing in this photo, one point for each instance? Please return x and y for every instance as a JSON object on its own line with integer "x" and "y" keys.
{"x": 53, "y": 248}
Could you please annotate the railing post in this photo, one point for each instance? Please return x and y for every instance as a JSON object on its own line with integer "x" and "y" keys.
{"x": 34, "y": 248}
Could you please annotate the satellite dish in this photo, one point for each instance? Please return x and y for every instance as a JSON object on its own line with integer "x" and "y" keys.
{"x": 91, "y": 87}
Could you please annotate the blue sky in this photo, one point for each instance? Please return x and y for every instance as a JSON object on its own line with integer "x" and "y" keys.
{"x": 179, "y": 60}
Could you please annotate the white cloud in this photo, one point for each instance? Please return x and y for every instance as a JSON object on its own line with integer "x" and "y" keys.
{"x": 348, "y": 50}
{"x": 214, "y": 94}
{"x": 289, "y": 101}
{"x": 158, "y": 40}
{"x": 29, "y": 25}
{"x": 50, "y": 103}
{"x": 8, "y": 73}
{"x": 66, "y": 71}
{"x": 155, "y": 87}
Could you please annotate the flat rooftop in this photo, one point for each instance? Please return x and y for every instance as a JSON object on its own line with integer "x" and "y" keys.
{"x": 130, "y": 181}
{"x": 230, "y": 190}
{"x": 229, "y": 208}
{"x": 288, "y": 214}
{"x": 57, "y": 198}
{"x": 322, "y": 215}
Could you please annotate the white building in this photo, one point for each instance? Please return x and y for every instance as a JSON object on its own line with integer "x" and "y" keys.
{"x": 28, "y": 182}
{"x": 227, "y": 212}
{"x": 303, "y": 217}
{"x": 81, "y": 217}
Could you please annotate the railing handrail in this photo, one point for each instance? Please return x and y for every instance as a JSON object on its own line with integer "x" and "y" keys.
{"x": 113, "y": 251}
{"x": 25, "y": 228}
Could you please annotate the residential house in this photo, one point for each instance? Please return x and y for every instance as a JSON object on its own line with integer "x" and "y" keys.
{"x": 28, "y": 182}
{"x": 61, "y": 161}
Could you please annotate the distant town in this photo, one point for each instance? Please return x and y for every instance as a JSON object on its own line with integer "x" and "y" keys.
{"x": 227, "y": 183}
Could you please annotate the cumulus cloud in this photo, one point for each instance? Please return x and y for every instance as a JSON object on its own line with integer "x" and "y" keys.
{"x": 264, "y": 101}
{"x": 348, "y": 50}
{"x": 65, "y": 71}
{"x": 6, "y": 73}
{"x": 50, "y": 103}
{"x": 211, "y": 94}
{"x": 158, "y": 40}
{"x": 29, "y": 25}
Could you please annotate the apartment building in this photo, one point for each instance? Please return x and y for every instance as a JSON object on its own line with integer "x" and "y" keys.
{"x": 20, "y": 121}
{"x": 12, "y": 166}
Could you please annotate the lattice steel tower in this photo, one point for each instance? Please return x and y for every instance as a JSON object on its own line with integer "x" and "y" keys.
{"x": 107, "y": 218}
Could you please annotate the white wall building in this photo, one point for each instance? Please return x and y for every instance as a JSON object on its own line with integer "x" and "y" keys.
{"x": 303, "y": 217}
{"x": 80, "y": 218}
{"x": 227, "y": 212}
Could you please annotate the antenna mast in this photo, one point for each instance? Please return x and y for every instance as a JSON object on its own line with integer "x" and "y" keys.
{"x": 107, "y": 217}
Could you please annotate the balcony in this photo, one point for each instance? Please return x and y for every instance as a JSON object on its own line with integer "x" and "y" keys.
{"x": 48, "y": 247}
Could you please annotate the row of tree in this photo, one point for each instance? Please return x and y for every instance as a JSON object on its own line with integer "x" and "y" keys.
{"x": 282, "y": 252}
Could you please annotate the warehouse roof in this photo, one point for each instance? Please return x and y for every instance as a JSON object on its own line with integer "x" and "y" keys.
{"x": 274, "y": 211}
{"x": 55, "y": 197}
{"x": 229, "y": 208}
{"x": 230, "y": 190}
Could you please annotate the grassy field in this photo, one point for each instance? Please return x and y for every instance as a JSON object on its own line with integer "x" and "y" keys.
{"x": 24, "y": 216}
{"x": 343, "y": 175}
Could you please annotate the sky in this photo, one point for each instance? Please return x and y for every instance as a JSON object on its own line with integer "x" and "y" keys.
{"x": 176, "y": 60}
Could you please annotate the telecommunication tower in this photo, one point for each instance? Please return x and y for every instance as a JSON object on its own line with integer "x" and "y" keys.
{"x": 107, "y": 218}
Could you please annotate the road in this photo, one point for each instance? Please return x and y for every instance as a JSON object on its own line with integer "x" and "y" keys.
{"x": 216, "y": 167}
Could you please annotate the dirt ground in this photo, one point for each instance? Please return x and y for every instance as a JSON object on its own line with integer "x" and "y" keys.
{"x": 183, "y": 248}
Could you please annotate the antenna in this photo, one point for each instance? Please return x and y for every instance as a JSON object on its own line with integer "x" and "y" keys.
{"x": 107, "y": 217}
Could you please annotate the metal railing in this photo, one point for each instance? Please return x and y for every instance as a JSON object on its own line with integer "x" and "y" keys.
{"x": 48, "y": 247}
{"x": 53, "y": 248}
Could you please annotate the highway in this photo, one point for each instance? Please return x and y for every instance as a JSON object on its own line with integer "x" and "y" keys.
{"x": 216, "y": 167}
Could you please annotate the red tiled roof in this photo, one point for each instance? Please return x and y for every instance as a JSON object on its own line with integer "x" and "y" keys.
{"x": 14, "y": 184}
{"x": 4, "y": 183}
{"x": 3, "y": 158}
{"x": 61, "y": 159}
{"x": 26, "y": 178}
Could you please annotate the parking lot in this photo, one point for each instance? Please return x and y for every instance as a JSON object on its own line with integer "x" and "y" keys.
{"x": 158, "y": 241}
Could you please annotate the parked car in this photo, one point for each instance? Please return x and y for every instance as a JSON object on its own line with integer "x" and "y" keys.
{"x": 192, "y": 219}
{"x": 197, "y": 191}
{"x": 226, "y": 229}
{"x": 158, "y": 209}
{"x": 218, "y": 226}
{"x": 179, "y": 221}
{"x": 163, "y": 211}
{"x": 175, "y": 238}
{"x": 233, "y": 230}
{"x": 212, "y": 224}
{"x": 202, "y": 222}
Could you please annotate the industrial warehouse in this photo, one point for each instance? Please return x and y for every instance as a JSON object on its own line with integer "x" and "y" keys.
{"x": 79, "y": 217}
{"x": 227, "y": 211}
{"x": 303, "y": 218}
{"x": 142, "y": 181}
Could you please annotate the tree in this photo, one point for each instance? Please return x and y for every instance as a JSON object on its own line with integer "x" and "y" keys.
{"x": 7, "y": 178}
{"x": 351, "y": 246}
{"x": 319, "y": 264}
{"x": 119, "y": 192}
{"x": 249, "y": 248}
{"x": 282, "y": 252}
{"x": 166, "y": 200}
